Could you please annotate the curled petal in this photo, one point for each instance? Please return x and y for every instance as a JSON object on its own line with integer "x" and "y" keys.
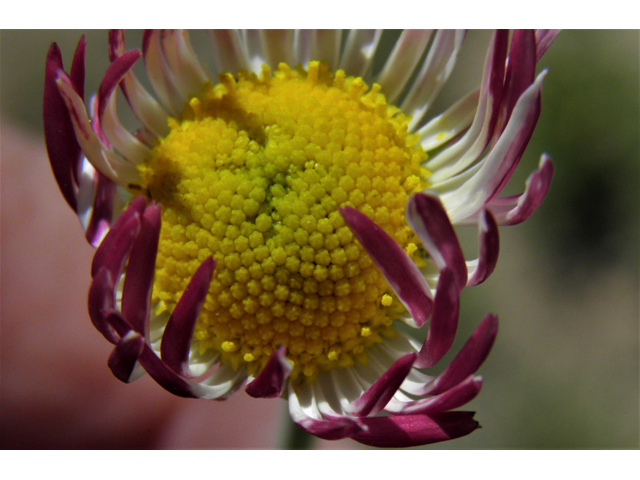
{"x": 444, "y": 322}
{"x": 402, "y": 61}
{"x": 146, "y": 109}
{"x": 544, "y": 38}
{"x": 412, "y": 430}
{"x": 374, "y": 399}
{"x": 453, "y": 398}
{"x": 176, "y": 339}
{"x": 469, "y": 358}
{"x": 433, "y": 75}
{"x": 62, "y": 146}
{"x": 521, "y": 71}
{"x": 217, "y": 386}
{"x": 160, "y": 75}
{"x": 118, "y": 69}
{"x": 359, "y": 49}
{"x": 272, "y": 379}
{"x": 516, "y": 209}
{"x": 427, "y": 217}
{"x": 463, "y": 153}
{"x": 467, "y": 193}
{"x": 230, "y": 50}
{"x": 124, "y": 357}
{"x": 488, "y": 248}
{"x": 401, "y": 273}
{"x": 333, "y": 428}
{"x": 181, "y": 58}
{"x": 111, "y": 250}
{"x": 101, "y": 304}
{"x": 138, "y": 280}
{"x": 102, "y": 211}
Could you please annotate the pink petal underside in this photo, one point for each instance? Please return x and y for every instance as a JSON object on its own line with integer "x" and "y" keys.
{"x": 124, "y": 357}
{"x": 181, "y": 58}
{"x": 122, "y": 228}
{"x": 77, "y": 78}
{"x": 521, "y": 70}
{"x": 139, "y": 275}
{"x": 470, "y": 197}
{"x": 272, "y": 379}
{"x": 161, "y": 77}
{"x": 413, "y": 430}
{"x": 516, "y": 209}
{"x": 469, "y": 358}
{"x": 116, "y": 44}
{"x": 453, "y": 398}
{"x": 527, "y": 121}
{"x": 114, "y": 74}
{"x": 444, "y": 322}
{"x": 544, "y": 38}
{"x": 101, "y": 303}
{"x": 488, "y": 248}
{"x": 401, "y": 273}
{"x": 331, "y": 429}
{"x": 427, "y": 217}
{"x": 155, "y": 367}
{"x": 146, "y": 109}
{"x": 176, "y": 339}
{"x": 374, "y": 399}
{"x": 496, "y": 83}
{"x": 102, "y": 211}
{"x": 62, "y": 147}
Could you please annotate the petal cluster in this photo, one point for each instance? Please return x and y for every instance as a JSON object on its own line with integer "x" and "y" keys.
{"x": 473, "y": 148}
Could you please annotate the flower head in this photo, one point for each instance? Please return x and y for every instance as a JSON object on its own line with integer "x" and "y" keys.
{"x": 270, "y": 225}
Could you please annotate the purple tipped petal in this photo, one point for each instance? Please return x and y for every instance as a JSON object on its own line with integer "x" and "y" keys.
{"x": 123, "y": 358}
{"x": 102, "y": 211}
{"x": 115, "y": 257}
{"x": 413, "y": 430}
{"x": 469, "y": 359}
{"x": 60, "y": 138}
{"x": 453, "y": 398}
{"x": 544, "y": 38}
{"x": 401, "y": 273}
{"x": 77, "y": 67}
{"x": 144, "y": 106}
{"x": 428, "y": 218}
{"x": 334, "y": 429}
{"x": 121, "y": 229}
{"x": 176, "y": 339}
{"x": 160, "y": 76}
{"x": 488, "y": 248}
{"x": 374, "y": 399}
{"x": 271, "y": 381}
{"x": 101, "y": 304}
{"x": 516, "y": 209}
{"x": 113, "y": 76}
{"x": 444, "y": 322}
{"x": 139, "y": 277}
{"x": 521, "y": 71}
{"x": 77, "y": 78}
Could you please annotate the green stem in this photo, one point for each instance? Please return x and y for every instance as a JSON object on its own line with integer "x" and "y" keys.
{"x": 294, "y": 437}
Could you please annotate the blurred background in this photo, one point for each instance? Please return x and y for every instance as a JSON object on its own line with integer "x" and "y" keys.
{"x": 564, "y": 373}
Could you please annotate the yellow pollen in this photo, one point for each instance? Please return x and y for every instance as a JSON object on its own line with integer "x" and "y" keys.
{"x": 253, "y": 173}
{"x": 386, "y": 300}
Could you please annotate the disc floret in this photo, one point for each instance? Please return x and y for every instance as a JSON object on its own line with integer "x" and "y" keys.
{"x": 253, "y": 174}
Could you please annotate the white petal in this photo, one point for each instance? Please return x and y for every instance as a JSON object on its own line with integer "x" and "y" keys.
{"x": 402, "y": 61}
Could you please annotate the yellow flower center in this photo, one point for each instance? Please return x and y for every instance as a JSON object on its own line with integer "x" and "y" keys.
{"x": 253, "y": 174}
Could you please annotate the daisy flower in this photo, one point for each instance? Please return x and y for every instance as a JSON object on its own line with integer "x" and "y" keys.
{"x": 284, "y": 216}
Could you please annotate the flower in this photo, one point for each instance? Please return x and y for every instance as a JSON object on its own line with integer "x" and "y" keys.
{"x": 270, "y": 229}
